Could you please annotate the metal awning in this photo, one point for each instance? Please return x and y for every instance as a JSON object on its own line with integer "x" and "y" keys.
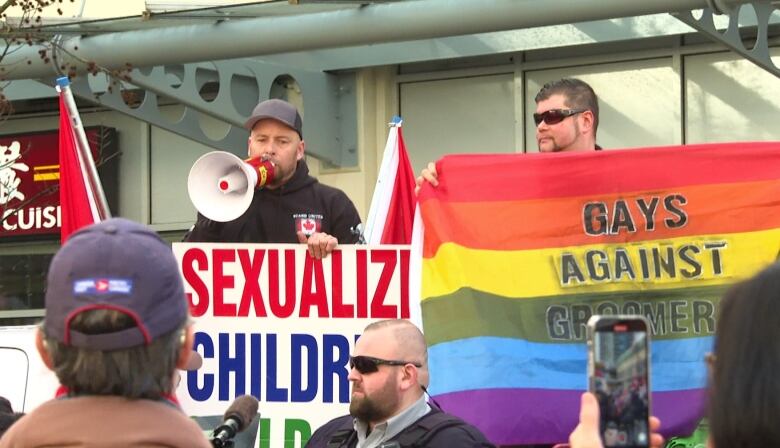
{"x": 242, "y": 46}
{"x": 277, "y": 29}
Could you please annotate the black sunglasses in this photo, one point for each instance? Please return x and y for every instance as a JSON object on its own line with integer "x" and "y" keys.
{"x": 368, "y": 364}
{"x": 555, "y": 116}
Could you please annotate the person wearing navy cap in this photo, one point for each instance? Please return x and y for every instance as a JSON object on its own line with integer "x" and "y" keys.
{"x": 116, "y": 329}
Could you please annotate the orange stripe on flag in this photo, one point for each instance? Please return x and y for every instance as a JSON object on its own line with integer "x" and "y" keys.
{"x": 548, "y": 223}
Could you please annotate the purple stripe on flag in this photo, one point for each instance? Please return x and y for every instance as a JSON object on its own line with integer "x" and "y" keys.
{"x": 531, "y": 416}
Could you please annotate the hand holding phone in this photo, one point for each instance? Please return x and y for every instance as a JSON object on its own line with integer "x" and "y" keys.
{"x": 619, "y": 377}
{"x": 587, "y": 434}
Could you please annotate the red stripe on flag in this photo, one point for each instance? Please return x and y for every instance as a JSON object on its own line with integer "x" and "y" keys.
{"x": 511, "y": 177}
{"x": 74, "y": 201}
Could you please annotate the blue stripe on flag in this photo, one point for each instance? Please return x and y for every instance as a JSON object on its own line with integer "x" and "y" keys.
{"x": 491, "y": 362}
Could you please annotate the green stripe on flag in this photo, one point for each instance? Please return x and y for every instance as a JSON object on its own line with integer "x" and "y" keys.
{"x": 673, "y": 314}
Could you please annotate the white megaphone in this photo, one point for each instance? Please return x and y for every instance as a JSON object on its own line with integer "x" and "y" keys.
{"x": 221, "y": 185}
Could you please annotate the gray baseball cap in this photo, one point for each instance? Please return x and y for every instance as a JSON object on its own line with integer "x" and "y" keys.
{"x": 120, "y": 265}
{"x": 279, "y": 110}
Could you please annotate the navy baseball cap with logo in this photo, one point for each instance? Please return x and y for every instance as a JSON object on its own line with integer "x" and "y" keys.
{"x": 120, "y": 265}
{"x": 279, "y": 110}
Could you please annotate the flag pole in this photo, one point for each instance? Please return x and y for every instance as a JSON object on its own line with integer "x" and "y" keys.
{"x": 88, "y": 169}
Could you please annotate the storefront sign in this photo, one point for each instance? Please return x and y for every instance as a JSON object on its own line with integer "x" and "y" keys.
{"x": 29, "y": 179}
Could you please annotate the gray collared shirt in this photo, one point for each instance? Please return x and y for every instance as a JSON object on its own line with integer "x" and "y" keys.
{"x": 389, "y": 429}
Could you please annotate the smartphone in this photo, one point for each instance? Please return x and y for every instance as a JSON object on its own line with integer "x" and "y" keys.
{"x": 619, "y": 377}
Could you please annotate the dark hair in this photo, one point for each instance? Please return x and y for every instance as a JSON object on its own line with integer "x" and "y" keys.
{"x": 8, "y": 419}
{"x": 744, "y": 388}
{"x": 5, "y": 406}
{"x": 145, "y": 371}
{"x": 578, "y": 94}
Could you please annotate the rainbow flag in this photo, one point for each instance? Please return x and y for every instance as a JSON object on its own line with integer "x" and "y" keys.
{"x": 521, "y": 249}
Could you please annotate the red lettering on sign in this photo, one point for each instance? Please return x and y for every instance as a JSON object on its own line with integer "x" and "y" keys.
{"x": 251, "y": 293}
{"x": 339, "y": 308}
{"x": 405, "y": 253}
{"x": 378, "y": 308}
{"x": 191, "y": 257}
{"x": 222, "y": 282}
{"x": 277, "y": 308}
{"x": 264, "y": 295}
{"x": 313, "y": 297}
{"x": 362, "y": 284}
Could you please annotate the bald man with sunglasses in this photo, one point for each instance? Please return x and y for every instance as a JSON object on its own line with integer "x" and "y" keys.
{"x": 389, "y": 373}
{"x": 566, "y": 117}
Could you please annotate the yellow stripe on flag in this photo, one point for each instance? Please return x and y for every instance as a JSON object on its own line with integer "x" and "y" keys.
{"x": 705, "y": 260}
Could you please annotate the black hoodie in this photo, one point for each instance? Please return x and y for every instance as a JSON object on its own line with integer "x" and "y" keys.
{"x": 275, "y": 216}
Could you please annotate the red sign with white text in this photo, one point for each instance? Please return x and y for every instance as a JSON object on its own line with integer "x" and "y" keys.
{"x": 29, "y": 180}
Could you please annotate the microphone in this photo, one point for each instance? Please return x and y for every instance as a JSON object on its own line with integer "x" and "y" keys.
{"x": 238, "y": 416}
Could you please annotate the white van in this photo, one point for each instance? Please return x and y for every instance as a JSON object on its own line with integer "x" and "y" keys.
{"x": 24, "y": 379}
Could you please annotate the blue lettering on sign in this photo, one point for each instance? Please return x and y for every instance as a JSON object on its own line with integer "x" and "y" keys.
{"x": 205, "y": 346}
{"x": 335, "y": 367}
{"x": 228, "y": 364}
{"x": 234, "y": 362}
{"x": 299, "y": 342}
{"x": 256, "y": 372}
{"x": 273, "y": 392}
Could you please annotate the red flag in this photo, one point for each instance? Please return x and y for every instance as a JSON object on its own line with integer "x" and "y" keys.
{"x": 391, "y": 215}
{"x": 77, "y": 203}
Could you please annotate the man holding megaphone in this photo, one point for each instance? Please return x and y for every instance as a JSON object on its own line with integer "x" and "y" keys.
{"x": 289, "y": 205}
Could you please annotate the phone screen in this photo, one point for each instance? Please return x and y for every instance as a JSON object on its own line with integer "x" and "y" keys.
{"x": 619, "y": 381}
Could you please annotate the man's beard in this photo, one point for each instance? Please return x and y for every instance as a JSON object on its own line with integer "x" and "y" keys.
{"x": 378, "y": 407}
{"x": 280, "y": 176}
{"x": 559, "y": 148}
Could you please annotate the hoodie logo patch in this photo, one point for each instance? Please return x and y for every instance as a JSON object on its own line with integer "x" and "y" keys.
{"x": 308, "y": 223}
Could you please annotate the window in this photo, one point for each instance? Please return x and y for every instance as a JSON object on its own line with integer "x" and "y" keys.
{"x": 639, "y": 101}
{"x": 22, "y": 288}
{"x": 460, "y": 115}
{"x": 731, "y": 99}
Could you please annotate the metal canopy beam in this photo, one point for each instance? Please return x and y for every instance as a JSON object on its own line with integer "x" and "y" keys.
{"x": 232, "y": 89}
{"x": 732, "y": 37}
{"x": 391, "y": 22}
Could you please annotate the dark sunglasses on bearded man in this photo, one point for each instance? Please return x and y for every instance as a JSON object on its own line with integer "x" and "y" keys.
{"x": 369, "y": 364}
{"x": 555, "y": 116}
